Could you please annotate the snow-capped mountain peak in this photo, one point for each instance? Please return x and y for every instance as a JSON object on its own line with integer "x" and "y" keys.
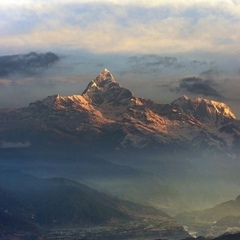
{"x": 104, "y": 89}
{"x": 104, "y": 77}
{"x": 102, "y": 81}
{"x": 204, "y": 109}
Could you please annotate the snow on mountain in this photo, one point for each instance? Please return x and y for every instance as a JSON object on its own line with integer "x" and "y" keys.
{"x": 204, "y": 109}
{"x": 107, "y": 96}
{"x": 108, "y": 112}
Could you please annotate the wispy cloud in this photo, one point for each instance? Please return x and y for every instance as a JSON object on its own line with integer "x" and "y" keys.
{"x": 161, "y": 65}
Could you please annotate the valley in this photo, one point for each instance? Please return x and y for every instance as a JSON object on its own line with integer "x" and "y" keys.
{"x": 142, "y": 229}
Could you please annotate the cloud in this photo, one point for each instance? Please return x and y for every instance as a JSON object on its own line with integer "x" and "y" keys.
{"x": 167, "y": 61}
{"x": 122, "y": 26}
{"x": 26, "y": 64}
{"x": 171, "y": 65}
{"x": 195, "y": 85}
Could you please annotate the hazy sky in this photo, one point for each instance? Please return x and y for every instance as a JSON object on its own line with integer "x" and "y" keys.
{"x": 159, "y": 49}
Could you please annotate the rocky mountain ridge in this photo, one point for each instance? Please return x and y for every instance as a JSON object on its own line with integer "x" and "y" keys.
{"x": 108, "y": 112}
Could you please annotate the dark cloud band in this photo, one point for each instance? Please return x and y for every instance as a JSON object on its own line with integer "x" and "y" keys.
{"x": 26, "y": 64}
{"x": 197, "y": 85}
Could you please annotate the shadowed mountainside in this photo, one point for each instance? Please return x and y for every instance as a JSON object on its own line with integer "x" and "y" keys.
{"x": 29, "y": 204}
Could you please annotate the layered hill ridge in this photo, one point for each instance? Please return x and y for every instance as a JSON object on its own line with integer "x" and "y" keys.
{"x": 31, "y": 206}
{"x": 214, "y": 214}
{"x": 107, "y": 112}
{"x": 222, "y": 218}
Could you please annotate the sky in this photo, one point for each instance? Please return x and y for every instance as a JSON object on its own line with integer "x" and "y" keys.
{"x": 158, "y": 49}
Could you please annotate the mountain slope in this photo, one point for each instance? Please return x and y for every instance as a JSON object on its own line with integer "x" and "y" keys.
{"x": 60, "y": 203}
{"x": 63, "y": 201}
{"x": 229, "y": 208}
{"x": 108, "y": 115}
{"x": 224, "y": 217}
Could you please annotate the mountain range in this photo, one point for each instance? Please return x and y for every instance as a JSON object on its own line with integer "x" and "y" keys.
{"x": 107, "y": 115}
